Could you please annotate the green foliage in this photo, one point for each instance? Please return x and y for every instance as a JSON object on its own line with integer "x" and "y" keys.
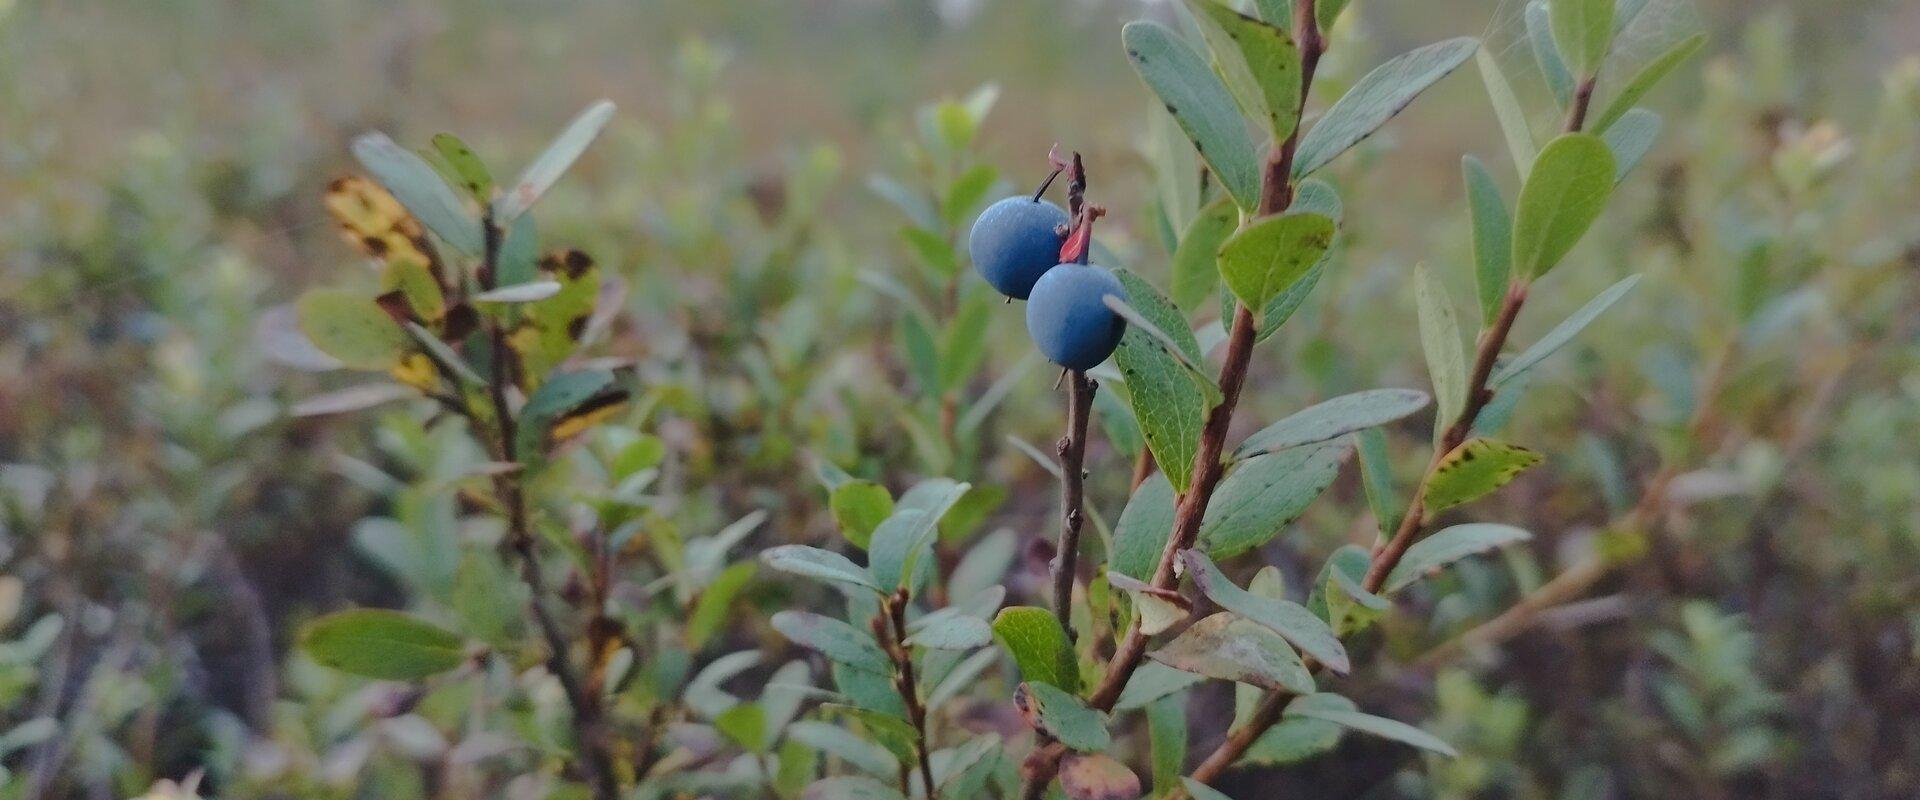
{"x": 382, "y": 644}
{"x": 1376, "y": 98}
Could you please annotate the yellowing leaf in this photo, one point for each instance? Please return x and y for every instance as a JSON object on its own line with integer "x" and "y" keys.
{"x": 1472, "y": 470}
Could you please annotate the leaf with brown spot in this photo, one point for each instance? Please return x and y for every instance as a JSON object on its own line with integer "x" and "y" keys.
{"x": 1092, "y": 776}
{"x": 1474, "y": 469}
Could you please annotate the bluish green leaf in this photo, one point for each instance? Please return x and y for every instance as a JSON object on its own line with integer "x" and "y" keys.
{"x": 1264, "y": 493}
{"x": 1298, "y": 738}
{"x": 845, "y": 745}
{"x": 420, "y": 189}
{"x": 1376, "y": 477}
{"x": 1333, "y": 419}
{"x": 838, "y": 641}
{"x": 896, "y": 552}
{"x": 1168, "y": 403}
{"x": 813, "y": 562}
{"x": 1440, "y": 341}
{"x": 1067, "y": 718}
{"x": 956, "y": 633}
{"x": 1492, "y": 237}
{"x": 1377, "y": 98}
{"x": 850, "y": 787}
{"x": 547, "y": 168}
{"x": 1167, "y": 740}
{"x": 1507, "y": 109}
{"x": 1547, "y": 54}
{"x": 1292, "y": 621}
{"x": 1200, "y": 103}
{"x": 1150, "y": 682}
{"x": 1370, "y": 724}
{"x": 1448, "y": 545}
{"x": 1630, "y": 139}
{"x": 1562, "y": 333}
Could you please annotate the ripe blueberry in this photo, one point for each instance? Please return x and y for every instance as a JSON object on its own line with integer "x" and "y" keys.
{"x": 1068, "y": 319}
{"x": 1015, "y": 241}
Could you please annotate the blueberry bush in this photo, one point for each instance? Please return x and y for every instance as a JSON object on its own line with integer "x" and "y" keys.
{"x": 1196, "y": 399}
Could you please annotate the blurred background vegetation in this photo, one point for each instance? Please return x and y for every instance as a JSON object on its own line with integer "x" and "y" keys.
{"x": 1733, "y": 477}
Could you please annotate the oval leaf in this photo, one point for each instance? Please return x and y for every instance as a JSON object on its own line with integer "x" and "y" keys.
{"x": 1259, "y": 62}
{"x": 1166, "y": 400}
{"x": 1196, "y": 261}
{"x": 1092, "y": 776}
{"x": 1265, "y": 493}
{"x": 832, "y": 638}
{"x": 350, "y": 327}
{"x": 1368, "y": 723}
{"x": 383, "y": 644}
{"x": 813, "y": 562}
{"x": 1227, "y": 647}
{"x": 419, "y": 188}
{"x": 1472, "y": 470}
{"x": 547, "y": 168}
{"x": 1569, "y": 185}
{"x": 1563, "y": 333}
{"x": 1065, "y": 717}
{"x": 1268, "y": 257}
{"x": 1039, "y": 646}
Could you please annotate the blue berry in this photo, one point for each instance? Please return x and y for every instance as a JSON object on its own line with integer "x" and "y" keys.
{"x": 1069, "y": 321}
{"x": 1015, "y": 241}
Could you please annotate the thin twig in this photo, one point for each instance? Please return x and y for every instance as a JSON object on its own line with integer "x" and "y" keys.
{"x": 891, "y": 629}
{"x": 1413, "y": 522}
{"x": 595, "y": 763}
{"x": 1072, "y": 450}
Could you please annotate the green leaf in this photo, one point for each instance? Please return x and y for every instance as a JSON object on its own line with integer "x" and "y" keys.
{"x": 968, "y": 192}
{"x": 1472, "y": 470}
{"x": 1630, "y": 139}
{"x": 1292, "y": 621}
{"x": 858, "y": 508}
{"x": 1540, "y": 39}
{"x": 1376, "y": 476}
{"x": 933, "y": 249}
{"x": 1562, "y": 333}
{"x": 1269, "y": 256}
{"x": 1140, "y": 536}
{"x": 1067, "y": 718}
{"x": 813, "y": 562}
{"x": 954, "y": 633}
{"x": 1226, "y": 647}
{"x": 1039, "y": 646}
{"x": 467, "y": 168}
{"x": 1196, "y": 262}
{"x": 1333, "y": 419}
{"x": 488, "y": 599}
{"x": 1200, "y": 103}
{"x": 834, "y": 639}
{"x": 1201, "y": 791}
{"x": 1507, "y": 109}
{"x": 1643, "y": 81}
{"x": 1258, "y": 61}
{"x": 1582, "y": 31}
{"x": 1563, "y": 195}
{"x": 1168, "y": 403}
{"x": 1377, "y": 98}
{"x": 1440, "y": 341}
{"x": 1367, "y": 723}
{"x": 556, "y": 397}
{"x": 1167, "y": 740}
{"x": 382, "y": 644}
{"x": 843, "y": 744}
{"x": 1297, "y": 738}
{"x": 1156, "y": 609}
{"x": 547, "y": 168}
{"x": 1492, "y": 238}
{"x": 1312, "y": 195}
{"x": 850, "y": 787}
{"x": 1092, "y": 776}
{"x": 710, "y": 611}
{"x": 1264, "y": 493}
{"x": 1435, "y": 552}
{"x": 420, "y": 189}
{"x": 351, "y": 327}
{"x": 746, "y": 725}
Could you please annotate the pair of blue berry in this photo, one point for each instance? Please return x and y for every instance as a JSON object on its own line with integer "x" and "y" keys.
{"x": 1015, "y": 246}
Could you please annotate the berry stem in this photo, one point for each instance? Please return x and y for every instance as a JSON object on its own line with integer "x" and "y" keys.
{"x": 1072, "y": 450}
